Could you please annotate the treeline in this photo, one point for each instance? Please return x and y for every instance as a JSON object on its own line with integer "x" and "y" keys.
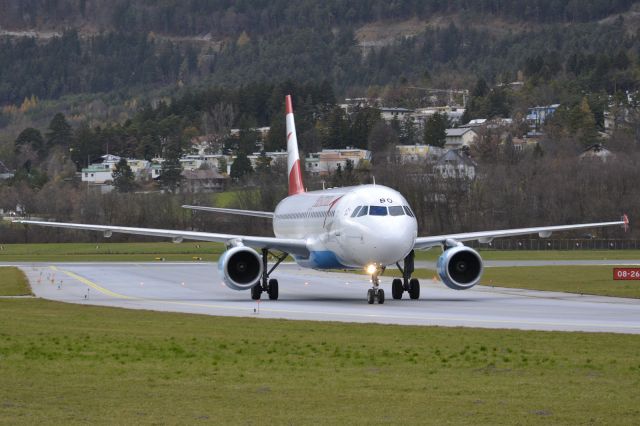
{"x": 223, "y": 18}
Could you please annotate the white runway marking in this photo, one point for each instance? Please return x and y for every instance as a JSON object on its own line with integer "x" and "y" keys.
{"x": 311, "y": 295}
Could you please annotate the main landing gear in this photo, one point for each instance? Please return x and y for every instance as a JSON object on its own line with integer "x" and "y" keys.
{"x": 269, "y": 286}
{"x": 408, "y": 284}
{"x": 375, "y": 293}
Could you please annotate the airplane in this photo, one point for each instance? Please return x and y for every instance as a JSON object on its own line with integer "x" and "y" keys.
{"x": 366, "y": 226}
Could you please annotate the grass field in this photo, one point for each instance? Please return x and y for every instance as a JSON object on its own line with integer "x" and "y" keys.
{"x": 141, "y": 252}
{"x": 69, "y": 364}
{"x": 596, "y": 280}
{"x": 109, "y": 252}
{"x": 13, "y": 282}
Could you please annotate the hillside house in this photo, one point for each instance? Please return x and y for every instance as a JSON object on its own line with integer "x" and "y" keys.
{"x": 417, "y": 153}
{"x": 456, "y": 163}
{"x": 325, "y": 162}
{"x": 206, "y": 180}
{"x": 537, "y": 116}
{"x": 459, "y": 137}
{"x": 597, "y": 152}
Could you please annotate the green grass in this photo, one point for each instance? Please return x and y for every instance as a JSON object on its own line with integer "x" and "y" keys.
{"x": 13, "y": 282}
{"x": 597, "y": 280}
{"x": 573, "y": 279}
{"x": 115, "y": 252}
{"x": 486, "y": 254}
{"x": 141, "y": 252}
{"x": 69, "y": 364}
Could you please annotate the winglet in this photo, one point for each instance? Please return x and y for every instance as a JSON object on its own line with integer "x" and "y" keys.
{"x": 293, "y": 158}
{"x": 625, "y": 225}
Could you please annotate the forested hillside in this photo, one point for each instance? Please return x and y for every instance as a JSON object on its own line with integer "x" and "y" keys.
{"x": 229, "y": 17}
{"x": 134, "y": 45}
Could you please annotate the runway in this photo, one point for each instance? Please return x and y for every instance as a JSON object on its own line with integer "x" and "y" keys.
{"x": 310, "y": 295}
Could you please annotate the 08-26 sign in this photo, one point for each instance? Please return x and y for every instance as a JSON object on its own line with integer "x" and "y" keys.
{"x": 624, "y": 274}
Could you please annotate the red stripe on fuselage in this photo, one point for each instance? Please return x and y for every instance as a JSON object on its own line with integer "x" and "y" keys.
{"x": 295, "y": 179}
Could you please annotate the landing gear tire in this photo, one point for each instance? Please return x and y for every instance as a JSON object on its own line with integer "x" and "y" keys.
{"x": 397, "y": 289}
{"x": 273, "y": 289}
{"x": 371, "y": 296}
{"x": 414, "y": 288}
{"x": 380, "y": 296}
{"x": 256, "y": 292}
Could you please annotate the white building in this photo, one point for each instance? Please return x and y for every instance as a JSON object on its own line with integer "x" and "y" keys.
{"x": 101, "y": 173}
{"x": 456, "y": 164}
{"x": 389, "y": 114}
{"x": 324, "y": 162}
{"x": 274, "y": 155}
{"x": 453, "y": 113}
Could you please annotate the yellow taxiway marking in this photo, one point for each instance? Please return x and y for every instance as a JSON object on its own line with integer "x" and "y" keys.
{"x": 93, "y": 285}
{"x": 342, "y": 314}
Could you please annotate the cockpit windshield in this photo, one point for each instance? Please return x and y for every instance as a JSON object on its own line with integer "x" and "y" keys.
{"x": 396, "y": 211}
{"x": 377, "y": 211}
{"x": 382, "y": 211}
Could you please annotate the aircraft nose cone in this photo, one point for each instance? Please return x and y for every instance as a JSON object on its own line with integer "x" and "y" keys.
{"x": 389, "y": 245}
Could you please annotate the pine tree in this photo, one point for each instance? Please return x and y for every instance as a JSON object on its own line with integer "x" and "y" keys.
{"x": 435, "y": 130}
{"x": 30, "y": 137}
{"x": 59, "y": 131}
{"x": 171, "y": 171}
{"x": 241, "y": 166}
{"x": 123, "y": 178}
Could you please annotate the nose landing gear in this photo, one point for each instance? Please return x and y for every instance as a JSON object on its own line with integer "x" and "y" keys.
{"x": 375, "y": 293}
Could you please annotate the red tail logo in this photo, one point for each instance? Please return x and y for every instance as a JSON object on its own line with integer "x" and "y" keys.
{"x": 293, "y": 158}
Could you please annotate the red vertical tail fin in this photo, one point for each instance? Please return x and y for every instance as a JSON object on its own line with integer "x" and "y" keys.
{"x": 293, "y": 158}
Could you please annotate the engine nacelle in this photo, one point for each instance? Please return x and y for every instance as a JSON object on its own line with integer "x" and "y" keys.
{"x": 460, "y": 267}
{"x": 240, "y": 267}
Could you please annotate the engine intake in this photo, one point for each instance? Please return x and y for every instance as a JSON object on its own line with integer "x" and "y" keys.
{"x": 240, "y": 267}
{"x": 460, "y": 268}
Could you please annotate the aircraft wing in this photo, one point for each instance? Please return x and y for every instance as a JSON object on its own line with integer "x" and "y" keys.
{"x": 254, "y": 213}
{"x": 287, "y": 245}
{"x": 487, "y": 236}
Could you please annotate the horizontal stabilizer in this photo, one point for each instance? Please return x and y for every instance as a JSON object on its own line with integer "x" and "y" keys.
{"x": 253, "y": 213}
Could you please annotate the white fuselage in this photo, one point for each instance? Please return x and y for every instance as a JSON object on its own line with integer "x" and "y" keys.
{"x": 383, "y": 234}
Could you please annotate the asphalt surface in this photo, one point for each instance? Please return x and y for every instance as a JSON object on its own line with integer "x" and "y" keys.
{"x": 311, "y": 295}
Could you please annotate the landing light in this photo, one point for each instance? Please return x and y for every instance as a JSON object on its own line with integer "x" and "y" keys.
{"x": 371, "y": 269}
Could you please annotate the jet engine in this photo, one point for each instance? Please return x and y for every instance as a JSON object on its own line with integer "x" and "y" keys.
{"x": 240, "y": 267}
{"x": 460, "y": 267}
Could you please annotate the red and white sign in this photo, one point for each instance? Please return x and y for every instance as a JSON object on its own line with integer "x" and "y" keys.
{"x": 624, "y": 274}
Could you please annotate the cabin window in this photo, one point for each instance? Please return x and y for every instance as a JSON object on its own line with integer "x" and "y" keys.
{"x": 377, "y": 211}
{"x": 363, "y": 211}
{"x": 396, "y": 211}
